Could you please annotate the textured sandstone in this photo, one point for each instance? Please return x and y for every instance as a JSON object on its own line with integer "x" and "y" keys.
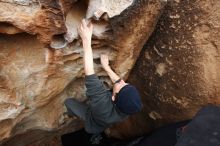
{"x": 36, "y": 79}
{"x": 35, "y": 17}
{"x": 112, "y": 8}
{"x": 178, "y": 70}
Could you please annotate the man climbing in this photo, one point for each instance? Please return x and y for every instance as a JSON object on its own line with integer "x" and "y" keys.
{"x": 104, "y": 108}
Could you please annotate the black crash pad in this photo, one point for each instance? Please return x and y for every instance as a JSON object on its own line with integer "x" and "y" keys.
{"x": 203, "y": 130}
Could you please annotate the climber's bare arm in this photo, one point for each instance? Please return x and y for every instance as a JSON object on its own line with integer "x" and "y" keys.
{"x": 105, "y": 64}
{"x": 85, "y": 32}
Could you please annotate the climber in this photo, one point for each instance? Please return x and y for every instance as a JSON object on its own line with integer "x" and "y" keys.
{"x": 104, "y": 107}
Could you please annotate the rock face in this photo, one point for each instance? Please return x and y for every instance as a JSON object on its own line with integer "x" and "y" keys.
{"x": 178, "y": 70}
{"x": 36, "y": 78}
{"x": 36, "y": 17}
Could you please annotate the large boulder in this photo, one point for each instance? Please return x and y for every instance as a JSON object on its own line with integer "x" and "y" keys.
{"x": 36, "y": 78}
{"x": 178, "y": 70}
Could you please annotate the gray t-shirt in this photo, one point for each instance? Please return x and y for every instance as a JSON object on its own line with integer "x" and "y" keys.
{"x": 102, "y": 112}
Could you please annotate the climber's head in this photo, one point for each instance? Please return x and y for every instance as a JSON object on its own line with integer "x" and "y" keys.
{"x": 126, "y": 97}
